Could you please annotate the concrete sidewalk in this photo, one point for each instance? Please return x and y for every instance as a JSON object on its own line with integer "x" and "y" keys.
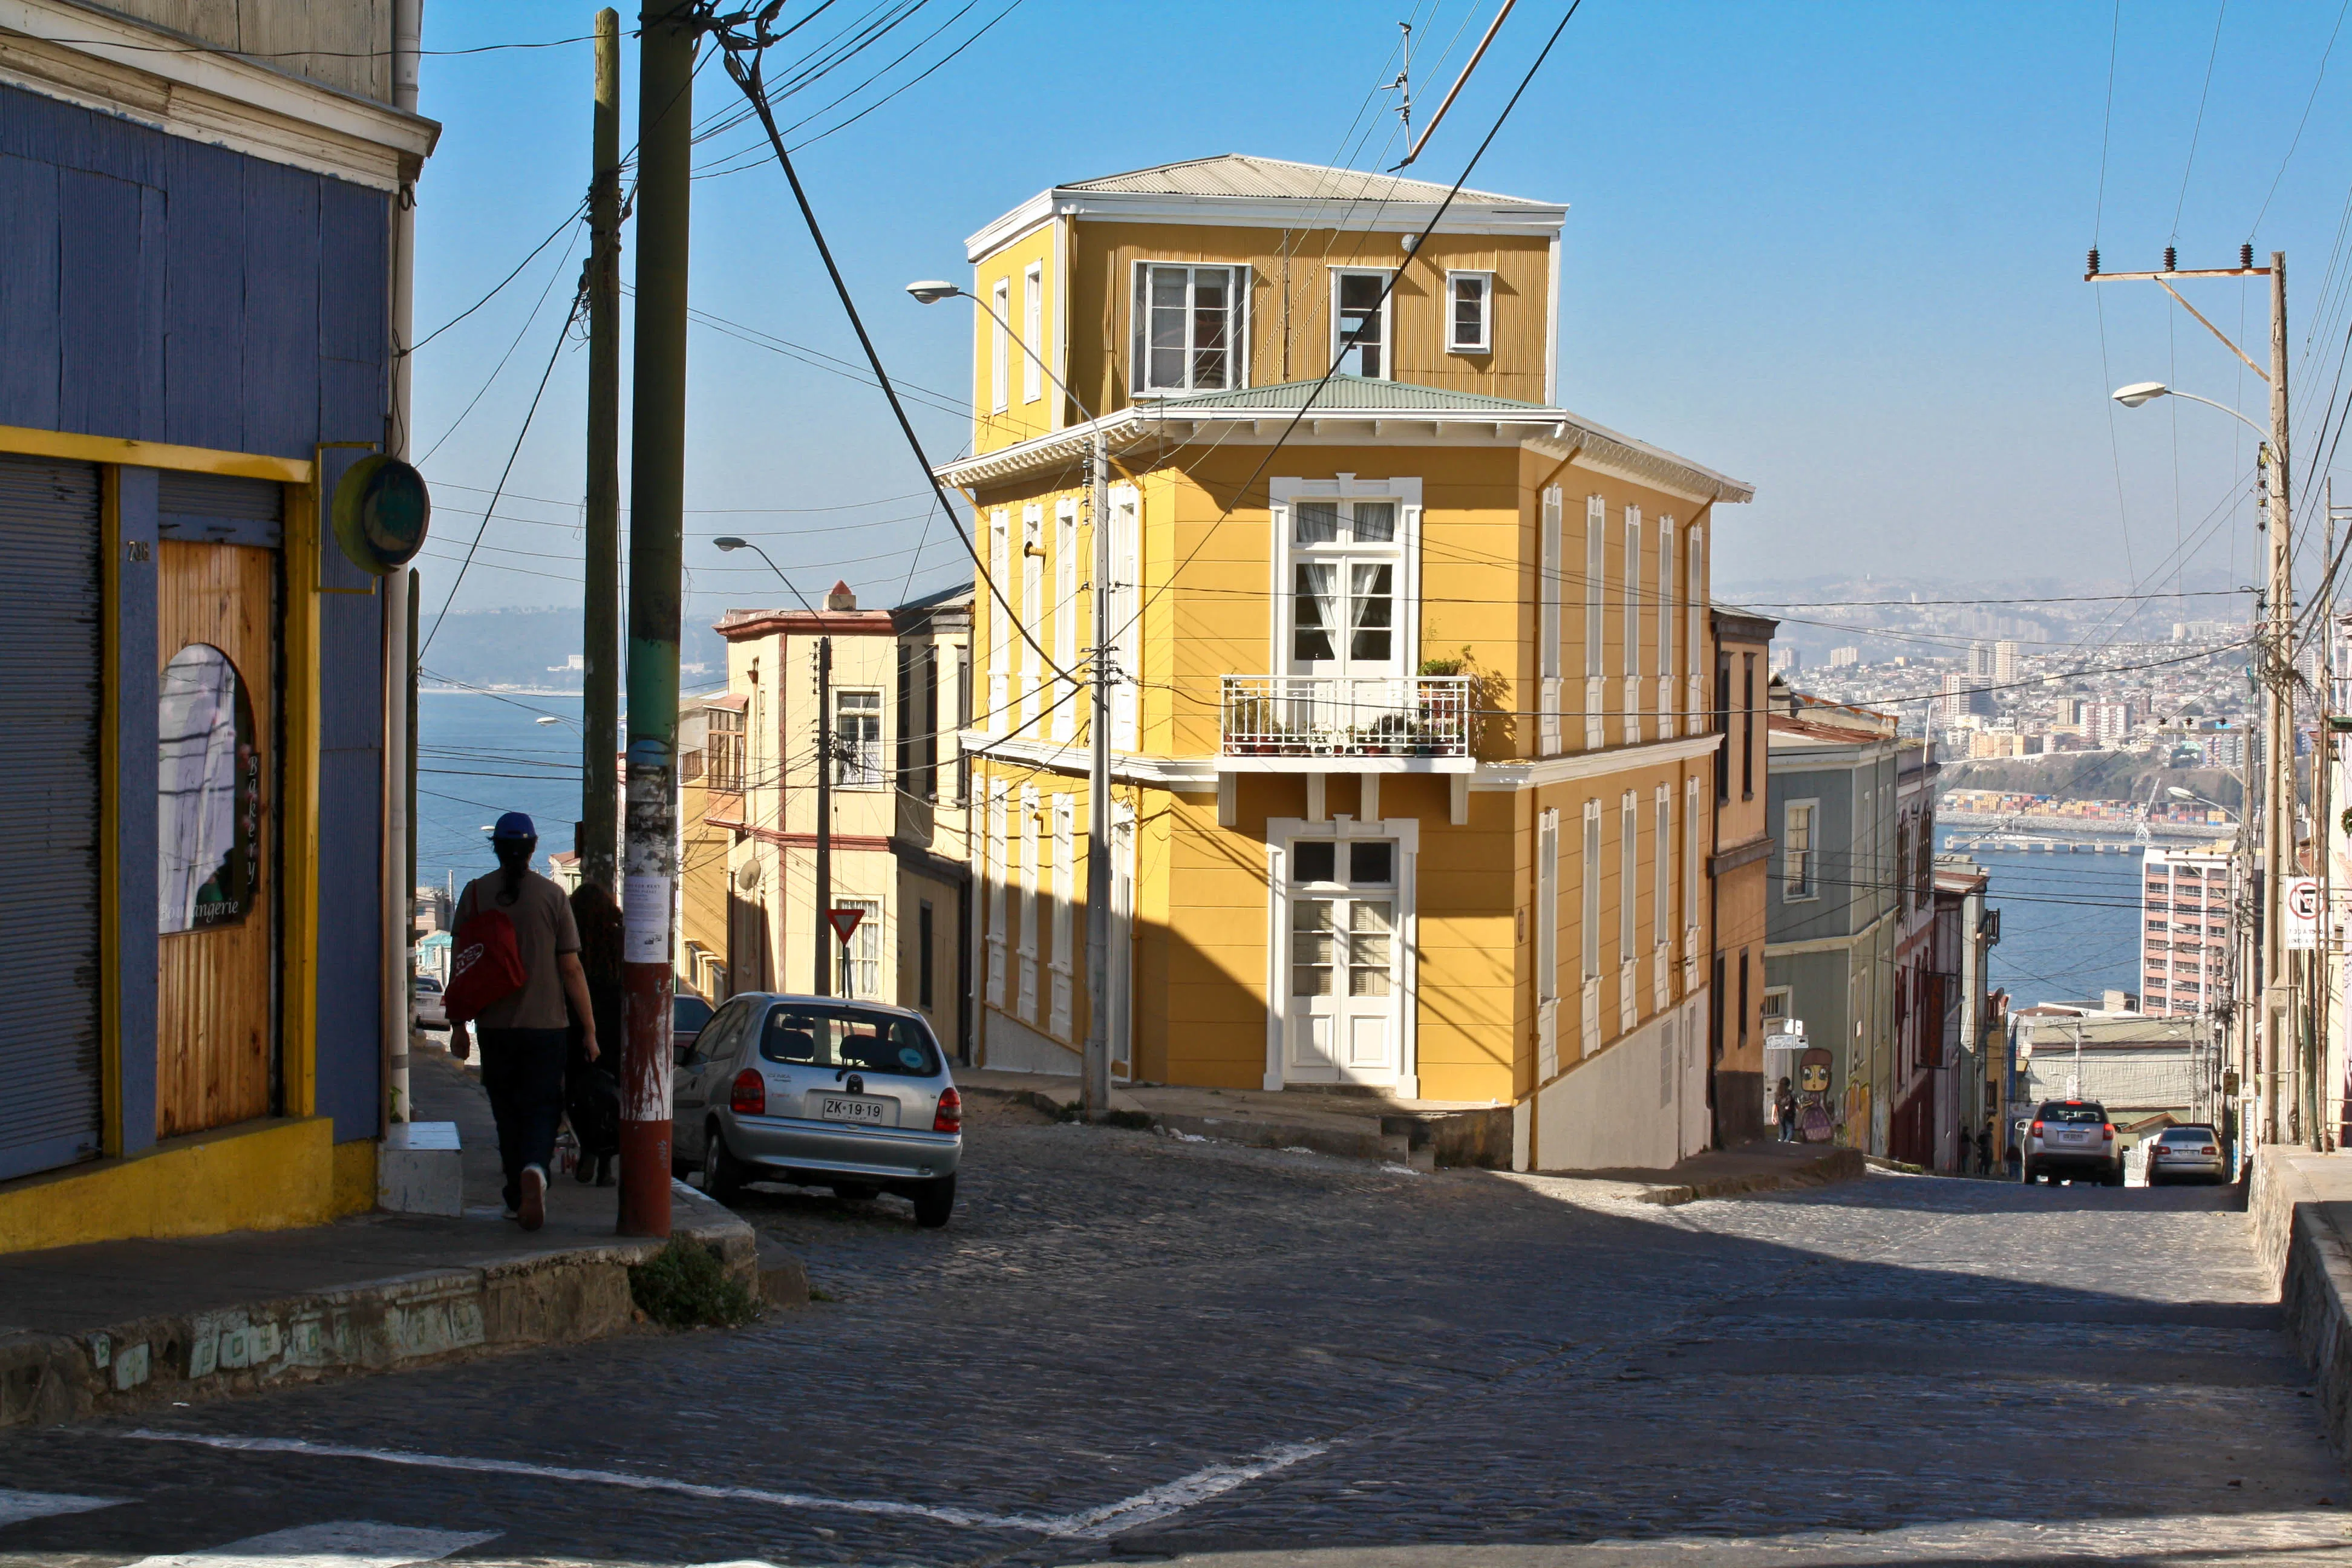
{"x": 121, "y": 1324}
{"x": 1360, "y": 1124}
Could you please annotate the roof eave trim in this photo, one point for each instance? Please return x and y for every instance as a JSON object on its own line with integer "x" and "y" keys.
{"x": 1534, "y": 219}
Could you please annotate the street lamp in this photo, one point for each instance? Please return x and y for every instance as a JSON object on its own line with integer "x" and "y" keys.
{"x": 2141, "y": 392}
{"x": 1094, "y": 1077}
{"x": 2176, "y": 793}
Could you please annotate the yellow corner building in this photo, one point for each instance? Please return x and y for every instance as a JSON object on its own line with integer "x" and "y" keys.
{"x": 1411, "y": 758}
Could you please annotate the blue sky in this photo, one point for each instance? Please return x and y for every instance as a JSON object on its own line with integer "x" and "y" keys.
{"x": 1833, "y": 249}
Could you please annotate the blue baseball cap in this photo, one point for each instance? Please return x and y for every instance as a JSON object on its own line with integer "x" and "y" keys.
{"x": 514, "y": 825}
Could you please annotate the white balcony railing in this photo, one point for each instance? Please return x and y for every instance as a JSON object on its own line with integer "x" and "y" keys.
{"x": 1346, "y": 716}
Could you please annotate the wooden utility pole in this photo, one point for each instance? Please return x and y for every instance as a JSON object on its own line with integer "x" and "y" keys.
{"x": 821, "y": 975}
{"x": 656, "y": 515}
{"x": 600, "y": 727}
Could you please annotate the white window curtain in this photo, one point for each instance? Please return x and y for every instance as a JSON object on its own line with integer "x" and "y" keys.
{"x": 1315, "y": 614}
{"x": 865, "y": 950}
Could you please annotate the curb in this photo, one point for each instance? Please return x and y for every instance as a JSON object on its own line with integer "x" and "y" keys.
{"x": 2302, "y": 1250}
{"x": 1425, "y": 1140}
{"x": 1836, "y": 1165}
{"x": 414, "y": 1320}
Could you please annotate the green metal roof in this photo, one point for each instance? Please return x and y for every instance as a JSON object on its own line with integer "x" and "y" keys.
{"x": 1349, "y": 392}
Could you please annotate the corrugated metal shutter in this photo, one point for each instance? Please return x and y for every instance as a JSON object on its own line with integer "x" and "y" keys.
{"x": 220, "y": 510}
{"x": 50, "y": 702}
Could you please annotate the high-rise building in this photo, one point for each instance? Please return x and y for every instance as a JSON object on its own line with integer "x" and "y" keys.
{"x": 1981, "y": 660}
{"x": 1840, "y": 657}
{"x": 2184, "y": 930}
{"x": 2106, "y": 724}
{"x": 2004, "y": 662}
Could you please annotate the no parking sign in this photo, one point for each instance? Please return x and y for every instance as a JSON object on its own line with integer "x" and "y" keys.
{"x": 2302, "y": 914}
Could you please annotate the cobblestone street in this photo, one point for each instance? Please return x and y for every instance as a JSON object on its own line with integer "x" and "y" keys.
{"x": 1131, "y": 1345}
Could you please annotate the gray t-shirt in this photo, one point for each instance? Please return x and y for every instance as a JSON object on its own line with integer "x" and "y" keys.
{"x": 543, "y": 929}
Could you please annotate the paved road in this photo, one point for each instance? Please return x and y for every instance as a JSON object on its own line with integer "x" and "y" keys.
{"x": 1132, "y": 1346}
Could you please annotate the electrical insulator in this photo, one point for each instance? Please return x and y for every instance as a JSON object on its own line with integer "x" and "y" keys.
{"x": 2171, "y": 259}
{"x": 2094, "y": 266}
{"x": 2246, "y": 256}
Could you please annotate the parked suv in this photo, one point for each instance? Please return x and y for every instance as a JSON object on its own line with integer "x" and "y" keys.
{"x": 2072, "y": 1139}
{"x": 819, "y": 1093}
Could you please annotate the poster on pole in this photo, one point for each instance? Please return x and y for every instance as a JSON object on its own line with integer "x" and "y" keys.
{"x": 2302, "y": 914}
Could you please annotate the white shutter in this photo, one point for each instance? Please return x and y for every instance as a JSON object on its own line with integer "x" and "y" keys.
{"x": 1000, "y": 644}
{"x": 1126, "y": 606}
{"x": 1629, "y": 863}
{"x": 1065, "y": 615}
{"x": 1694, "y": 648}
{"x": 1596, "y": 591}
{"x": 1547, "y": 630}
{"x": 1027, "y": 893}
{"x": 1632, "y": 650}
{"x": 1548, "y": 945}
{"x": 1588, "y": 868}
{"x": 1667, "y": 616}
{"x": 993, "y": 872}
{"x": 1064, "y": 916}
{"x": 1033, "y": 608}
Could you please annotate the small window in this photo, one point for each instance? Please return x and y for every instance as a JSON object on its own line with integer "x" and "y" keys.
{"x": 1344, "y": 521}
{"x": 1359, "y": 320}
{"x": 1316, "y": 862}
{"x": 1797, "y": 852}
{"x": 1189, "y": 327}
{"x": 1372, "y": 864}
{"x": 1470, "y": 298}
{"x": 209, "y": 793}
{"x": 723, "y": 750}
{"x": 858, "y": 739}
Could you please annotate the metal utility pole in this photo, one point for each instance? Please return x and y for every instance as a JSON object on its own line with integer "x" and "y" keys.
{"x": 1095, "y": 1091}
{"x": 821, "y": 975}
{"x": 657, "y": 511}
{"x": 2278, "y": 840}
{"x": 600, "y": 739}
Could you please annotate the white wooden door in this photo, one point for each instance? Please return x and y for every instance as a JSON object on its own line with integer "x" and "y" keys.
{"x": 1341, "y": 1022}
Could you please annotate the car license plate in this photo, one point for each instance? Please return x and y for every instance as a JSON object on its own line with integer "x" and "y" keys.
{"x": 2075, "y": 1137}
{"x": 853, "y": 1107}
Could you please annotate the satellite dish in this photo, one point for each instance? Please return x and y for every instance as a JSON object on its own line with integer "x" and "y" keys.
{"x": 381, "y": 510}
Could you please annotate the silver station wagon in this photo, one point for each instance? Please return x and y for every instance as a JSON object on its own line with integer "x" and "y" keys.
{"x": 819, "y": 1093}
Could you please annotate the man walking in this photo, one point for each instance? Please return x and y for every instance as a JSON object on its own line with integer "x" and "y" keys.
{"x": 524, "y": 1031}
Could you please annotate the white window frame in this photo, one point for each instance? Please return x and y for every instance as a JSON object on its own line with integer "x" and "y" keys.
{"x": 1000, "y": 643}
{"x": 1032, "y": 327}
{"x": 864, "y": 950}
{"x": 1065, "y": 615}
{"x": 1125, "y": 616}
{"x": 1549, "y": 652}
{"x": 1690, "y": 855}
{"x": 1388, "y": 319}
{"x": 1810, "y": 882}
{"x": 1000, "y": 299}
{"x": 1026, "y": 892}
{"x": 1662, "y": 891}
{"x": 1281, "y": 833}
{"x": 1631, "y": 653}
{"x": 1405, "y": 550}
{"x": 1237, "y": 325}
{"x": 1589, "y": 933}
{"x": 865, "y": 770}
{"x": 1064, "y": 864}
{"x": 1596, "y": 625}
{"x": 1546, "y": 956}
{"x": 1666, "y": 618}
{"x": 992, "y": 871}
{"x": 1629, "y": 904}
{"x": 1033, "y": 606}
{"x": 1696, "y": 653}
{"x": 1486, "y": 343}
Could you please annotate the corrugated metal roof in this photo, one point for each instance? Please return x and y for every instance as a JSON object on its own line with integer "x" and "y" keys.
{"x": 1240, "y": 174}
{"x": 1349, "y": 392}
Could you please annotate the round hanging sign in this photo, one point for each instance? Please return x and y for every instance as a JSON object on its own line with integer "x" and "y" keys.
{"x": 381, "y": 513}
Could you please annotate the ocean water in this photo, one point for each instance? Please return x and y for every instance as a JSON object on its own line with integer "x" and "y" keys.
{"x": 2069, "y": 923}
{"x": 479, "y": 755}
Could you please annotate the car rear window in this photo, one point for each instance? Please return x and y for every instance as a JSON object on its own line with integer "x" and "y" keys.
{"x": 848, "y": 1036}
{"x": 2075, "y": 1110}
{"x": 2189, "y": 1135}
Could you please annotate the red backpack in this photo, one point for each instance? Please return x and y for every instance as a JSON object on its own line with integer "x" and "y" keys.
{"x": 485, "y": 965}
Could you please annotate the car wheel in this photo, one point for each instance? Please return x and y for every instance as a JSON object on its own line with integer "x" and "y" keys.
{"x": 934, "y": 1201}
{"x": 723, "y": 1175}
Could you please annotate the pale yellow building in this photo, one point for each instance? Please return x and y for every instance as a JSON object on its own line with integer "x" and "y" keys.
{"x": 899, "y": 693}
{"x": 1411, "y": 749}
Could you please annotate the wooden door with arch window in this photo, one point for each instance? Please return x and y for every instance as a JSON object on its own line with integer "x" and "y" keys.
{"x": 216, "y": 620}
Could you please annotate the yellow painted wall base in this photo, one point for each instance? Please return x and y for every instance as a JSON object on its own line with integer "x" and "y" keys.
{"x": 256, "y": 1175}
{"x": 354, "y": 1177}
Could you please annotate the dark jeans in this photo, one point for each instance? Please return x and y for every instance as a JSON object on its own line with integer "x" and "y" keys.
{"x": 522, "y": 1069}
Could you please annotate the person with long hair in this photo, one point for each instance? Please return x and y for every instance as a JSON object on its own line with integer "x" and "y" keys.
{"x": 591, "y": 1092}
{"x": 523, "y": 1032}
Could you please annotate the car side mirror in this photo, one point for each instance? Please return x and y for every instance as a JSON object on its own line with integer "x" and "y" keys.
{"x": 685, "y": 1054}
